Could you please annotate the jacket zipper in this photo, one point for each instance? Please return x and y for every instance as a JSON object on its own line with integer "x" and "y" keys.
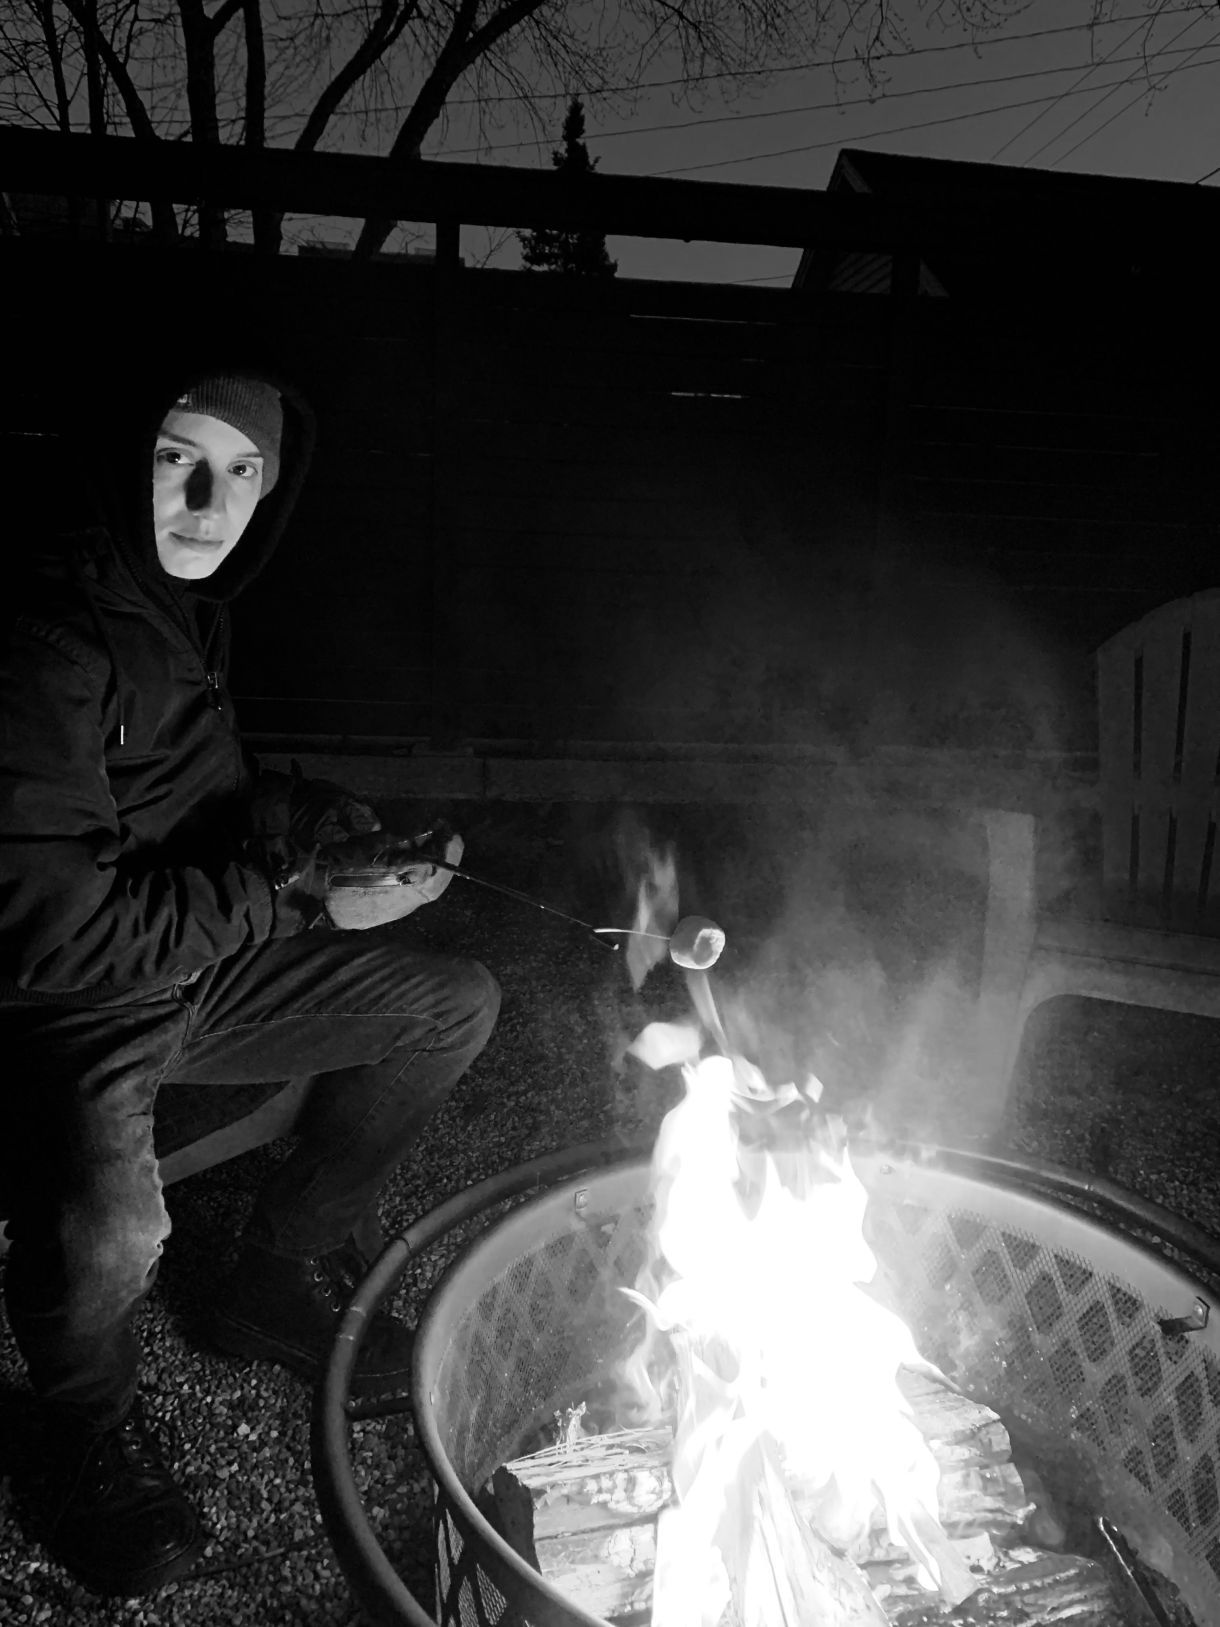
{"x": 211, "y": 674}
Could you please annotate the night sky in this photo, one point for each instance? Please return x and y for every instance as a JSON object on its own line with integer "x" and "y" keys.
{"x": 1133, "y": 98}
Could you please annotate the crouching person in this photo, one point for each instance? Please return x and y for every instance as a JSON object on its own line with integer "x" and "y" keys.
{"x": 160, "y": 924}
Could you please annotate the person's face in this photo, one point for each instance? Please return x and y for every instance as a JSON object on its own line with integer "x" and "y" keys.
{"x": 207, "y": 477}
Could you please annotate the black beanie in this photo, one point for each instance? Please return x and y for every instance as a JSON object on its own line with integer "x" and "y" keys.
{"x": 248, "y": 404}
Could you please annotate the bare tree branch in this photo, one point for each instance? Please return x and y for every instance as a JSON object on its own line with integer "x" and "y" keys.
{"x": 164, "y": 222}
{"x": 392, "y": 74}
{"x": 63, "y": 106}
{"x": 392, "y": 19}
{"x": 460, "y": 51}
{"x": 224, "y": 14}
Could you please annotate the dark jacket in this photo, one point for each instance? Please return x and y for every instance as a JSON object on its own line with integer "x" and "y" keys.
{"x": 125, "y": 793}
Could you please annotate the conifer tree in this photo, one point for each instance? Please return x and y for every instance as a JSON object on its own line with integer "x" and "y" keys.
{"x": 581, "y": 253}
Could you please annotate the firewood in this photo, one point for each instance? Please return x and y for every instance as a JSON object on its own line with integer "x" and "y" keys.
{"x": 783, "y": 1573}
{"x": 773, "y": 1570}
{"x": 980, "y": 1487}
{"x": 980, "y": 1490}
{"x": 1035, "y": 1589}
{"x": 584, "y": 1514}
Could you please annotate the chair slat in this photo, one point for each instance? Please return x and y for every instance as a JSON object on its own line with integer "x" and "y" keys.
{"x": 1116, "y": 713}
{"x": 1197, "y": 905}
{"x": 1161, "y": 662}
{"x": 1158, "y": 743}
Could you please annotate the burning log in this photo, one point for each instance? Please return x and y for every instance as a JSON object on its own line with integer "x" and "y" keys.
{"x": 980, "y": 1487}
{"x": 585, "y": 1512}
{"x": 1031, "y": 1588}
{"x": 783, "y": 1573}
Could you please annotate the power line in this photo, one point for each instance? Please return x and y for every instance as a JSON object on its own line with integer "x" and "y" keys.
{"x": 857, "y": 58}
{"x": 893, "y": 130}
{"x": 1113, "y": 91}
{"x": 1046, "y": 111}
{"x": 820, "y": 107}
{"x": 1127, "y": 106}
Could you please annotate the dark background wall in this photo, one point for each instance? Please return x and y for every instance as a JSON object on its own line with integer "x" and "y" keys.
{"x": 547, "y": 515}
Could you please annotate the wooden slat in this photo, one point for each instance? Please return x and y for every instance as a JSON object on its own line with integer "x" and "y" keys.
{"x": 1167, "y": 792}
{"x": 662, "y": 430}
{"x": 1160, "y": 653}
{"x": 1093, "y": 471}
{"x": 586, "y": 523}
{"x": 594, "y": 336}
{"x": 557, "y": 384}
{"x": 1167, "y": 543}
{"x": 1044, "y": 570}
{"x": 1043, "y": 426}
{"x": 1116, "y": 725}
{"x": 1198, "y": 862}
{"x": 966, "y": 382}
{"x": 503, "y": 446}
{"x": 355, "y": 716}
{"x": 1100, "y": 504}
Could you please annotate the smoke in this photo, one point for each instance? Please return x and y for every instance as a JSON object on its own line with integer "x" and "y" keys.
{"x": 855, "y": 918}
{"x": 854, "y": 938}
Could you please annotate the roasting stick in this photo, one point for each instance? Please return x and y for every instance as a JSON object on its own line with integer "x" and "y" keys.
{"x": 694, "y": 944}
{"x": 525, "y": 898}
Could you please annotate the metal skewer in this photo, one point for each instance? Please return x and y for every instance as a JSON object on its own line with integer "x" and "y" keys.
{"x": 693, "y": 936}
{"x": 524, "y": 898}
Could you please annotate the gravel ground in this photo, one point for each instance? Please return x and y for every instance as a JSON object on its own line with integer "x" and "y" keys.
{"x": 852, "y": 944}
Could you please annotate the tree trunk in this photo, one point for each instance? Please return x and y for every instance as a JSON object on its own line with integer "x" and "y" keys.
{"x": 268, "y": 223}
{"x": 461, "y": 50}
{"x": 96, "y": 88}
{"x": 198, "y": 42}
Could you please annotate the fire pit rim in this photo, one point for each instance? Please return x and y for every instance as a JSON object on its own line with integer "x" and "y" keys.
{"x": 374, "y": 1581}
{"x": 553, "y": 1179}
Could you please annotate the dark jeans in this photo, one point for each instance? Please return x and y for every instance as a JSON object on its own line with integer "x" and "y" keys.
{"x": 384, "y": 1029}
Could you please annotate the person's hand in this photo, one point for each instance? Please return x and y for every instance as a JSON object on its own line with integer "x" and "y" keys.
{"x": 298, "y": 895}
{"x": 421, "y": 863}
{"x": 322, "y": 814}
{"x": 428, "y": 877}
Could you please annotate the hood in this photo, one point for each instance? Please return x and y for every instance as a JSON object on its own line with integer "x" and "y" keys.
{"x": 120, "y": 472}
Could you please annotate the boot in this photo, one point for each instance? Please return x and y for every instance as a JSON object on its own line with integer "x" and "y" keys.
{"x": 286, "y": 1310}
{"x": 120, "y": 1523}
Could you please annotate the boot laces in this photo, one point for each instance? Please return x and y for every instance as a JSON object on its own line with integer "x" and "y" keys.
{"x": 127, "y": 1452}
{"x": 329, "y": 1277}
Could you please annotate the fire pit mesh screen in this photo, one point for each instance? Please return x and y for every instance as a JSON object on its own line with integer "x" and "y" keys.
{"x": 1052, "y": 1319}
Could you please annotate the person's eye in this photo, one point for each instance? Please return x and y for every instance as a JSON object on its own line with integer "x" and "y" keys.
{"x": 169, "y": 454}
{"x": 245, "y": 470}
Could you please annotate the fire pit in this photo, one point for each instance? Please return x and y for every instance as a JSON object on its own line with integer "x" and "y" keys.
{"x": 1078, "y": 1312}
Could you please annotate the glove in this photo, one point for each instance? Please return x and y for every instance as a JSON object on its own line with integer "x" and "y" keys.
{"x": 302, "y": 883}
{"x": 321, "y": 814}
{"x": 375, "y": 858}
{"x": 306, "y": 813}
{"x": 298, "y": 894}
{"x": 406, "y": 873}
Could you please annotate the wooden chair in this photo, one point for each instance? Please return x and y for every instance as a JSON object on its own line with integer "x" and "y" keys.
{"x": 1155, "y": 938}
{"x": 274, "y": 1118}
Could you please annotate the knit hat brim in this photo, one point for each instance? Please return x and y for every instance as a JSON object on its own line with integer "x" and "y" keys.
{"x": 249, "y": 405}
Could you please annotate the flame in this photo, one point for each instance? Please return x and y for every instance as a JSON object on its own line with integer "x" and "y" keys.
{"x": 783, "y": 1368}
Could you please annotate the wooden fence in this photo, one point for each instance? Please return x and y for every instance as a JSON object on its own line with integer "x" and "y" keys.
{"x": 552, "y": 517}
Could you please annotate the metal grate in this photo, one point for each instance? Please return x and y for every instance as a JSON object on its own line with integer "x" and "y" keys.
{"x": 1069, "y": 1349}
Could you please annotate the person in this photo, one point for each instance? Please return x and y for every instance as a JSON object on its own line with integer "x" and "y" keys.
{"x": 162, "y": 924}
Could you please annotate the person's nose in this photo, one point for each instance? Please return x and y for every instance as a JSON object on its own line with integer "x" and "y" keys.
{"x": 201, "y": 489}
